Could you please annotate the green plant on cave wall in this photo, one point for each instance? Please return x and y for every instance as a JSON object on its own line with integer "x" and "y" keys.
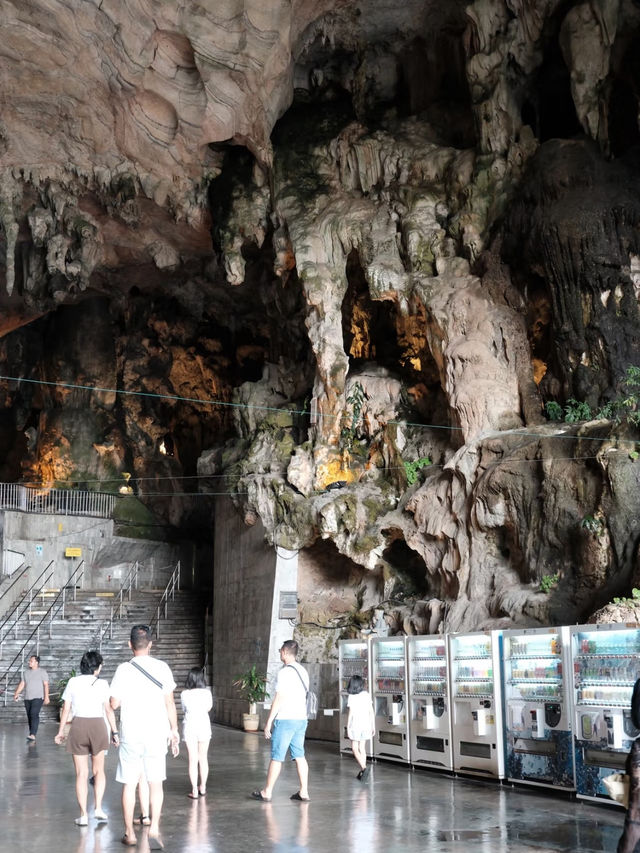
{"x": 593, "y": 524}
{"x": 633, "y": 600}
{"x": 622, "y": 408}
{"x": 549, "y": 582}
{"x": 553, "y": 410}
{"x": 576, "y": 410}
{"x": 412, "y": 468}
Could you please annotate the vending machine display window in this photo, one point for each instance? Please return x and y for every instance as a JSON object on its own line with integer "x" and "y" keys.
{"x": 476, "y": 697}
{"x": 430, "y": 722}
{"x": 538, "y": 735}
{"x": 388, "y": 664}
{"x": 606, "y": 664}
{"x": 353, "y": 659}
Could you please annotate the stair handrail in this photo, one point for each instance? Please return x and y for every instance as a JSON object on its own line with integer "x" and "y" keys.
{"x": 32, "y": 593}
{"x": 49, "y": 613}
{"x": 19, "y": 573}
{"x": 130, "y": 582}
{"x": 169, "y": 592}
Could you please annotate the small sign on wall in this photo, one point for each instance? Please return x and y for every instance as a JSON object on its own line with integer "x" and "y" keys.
{"x": 288, "y": 605}
{"x": 73, "y": 552}
{"x": 39, "y": 550}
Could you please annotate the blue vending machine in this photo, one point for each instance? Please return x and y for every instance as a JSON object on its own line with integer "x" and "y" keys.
{"x": 538, "y": 709}
{"x": 606, "y": 664}
{"x": 353, "y": 659}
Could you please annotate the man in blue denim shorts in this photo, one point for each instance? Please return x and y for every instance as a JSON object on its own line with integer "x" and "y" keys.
{"x": 287, "y": 723}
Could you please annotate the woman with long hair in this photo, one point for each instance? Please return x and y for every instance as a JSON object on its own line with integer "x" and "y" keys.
{"x": 197, "y": 701}
{"x": 86, "y": 697}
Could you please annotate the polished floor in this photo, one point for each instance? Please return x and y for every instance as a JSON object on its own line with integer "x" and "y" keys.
{"x": 396, "y": 810}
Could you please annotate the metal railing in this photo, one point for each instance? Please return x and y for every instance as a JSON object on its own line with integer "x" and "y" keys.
{"x": 20, "y": 572}
{"x": 128, "y": 584}
{"x": 24, "y": 606}
{"x": 56, "y": 606}
{"x": 163, "y": 604}
{"x": 56, "y": 501}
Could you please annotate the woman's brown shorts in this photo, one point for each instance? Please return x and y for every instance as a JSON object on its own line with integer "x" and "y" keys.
{"x": 87, "y": 736}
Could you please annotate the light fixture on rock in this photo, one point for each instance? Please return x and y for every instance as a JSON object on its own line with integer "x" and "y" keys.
{"x": 126, "y": 489}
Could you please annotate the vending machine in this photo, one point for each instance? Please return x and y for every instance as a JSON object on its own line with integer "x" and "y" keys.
{"x": 353, "y": 659}
{"x": 429, "y": 707}
{"x": 606, "y": 664}
{"x": 388, "y": 677}
{"x": 476, "y": 697}
{"x": 538, "y": 707}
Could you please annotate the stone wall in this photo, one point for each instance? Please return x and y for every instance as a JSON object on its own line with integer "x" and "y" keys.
{"x": 243, "y": 583}
{"x": 42, "y": 539}
{"x": 248, "y": 627}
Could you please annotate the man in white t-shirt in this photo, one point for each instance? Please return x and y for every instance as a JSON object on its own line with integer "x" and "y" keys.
{"x": 143, "y": 690}
{"x": 288, "y": 719}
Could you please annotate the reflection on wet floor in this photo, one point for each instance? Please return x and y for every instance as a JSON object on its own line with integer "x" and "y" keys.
{"x": 397, "y": 810}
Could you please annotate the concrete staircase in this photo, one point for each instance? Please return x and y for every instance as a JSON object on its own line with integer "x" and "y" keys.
{"x": 180, "y": 642}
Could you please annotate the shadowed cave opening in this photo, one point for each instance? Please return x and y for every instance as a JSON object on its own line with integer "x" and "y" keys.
{"x": 548, "y": 107}
{"x": 368, "y": 325}
{"x": 409, "y": 568}
{"x": 374, "y": 331}
{"x": 331, "y": 584}
{"x": 432, "y": 83}
{"x": 624, "y": 130}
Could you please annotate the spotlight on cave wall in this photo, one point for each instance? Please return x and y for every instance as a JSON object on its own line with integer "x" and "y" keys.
{"x": 126, "y": 489}
{"x": 166, "y": 446}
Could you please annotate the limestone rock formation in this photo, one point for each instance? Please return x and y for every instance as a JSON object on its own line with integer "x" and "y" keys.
{"x": 334, "y": 259}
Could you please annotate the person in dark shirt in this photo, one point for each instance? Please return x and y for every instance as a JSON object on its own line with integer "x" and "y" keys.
{"x": 35, "y": 683}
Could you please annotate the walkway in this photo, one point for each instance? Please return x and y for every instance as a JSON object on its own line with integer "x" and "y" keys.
{"x": 397, "y": 810}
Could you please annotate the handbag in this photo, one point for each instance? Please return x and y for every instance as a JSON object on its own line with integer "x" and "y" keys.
{"x": 617, "y": 786}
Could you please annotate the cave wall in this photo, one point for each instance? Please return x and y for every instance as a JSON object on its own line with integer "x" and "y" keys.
{"x": 333, "y": 261}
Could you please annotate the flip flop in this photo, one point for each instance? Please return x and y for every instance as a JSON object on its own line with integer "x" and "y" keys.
{"x": 155, "y": 843}
{"x": 257, "y": 795}
{"x": 142, "y": 820}
{"x": 124, "y": 840}
{"x": 297, "y": 796}
{"x": 192, "y": 796}
{"x": 202, "y": 793}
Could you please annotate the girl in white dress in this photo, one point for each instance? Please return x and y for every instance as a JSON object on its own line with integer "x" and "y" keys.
{"x": 196, "y": 702}
{"x": 360, "y": 722}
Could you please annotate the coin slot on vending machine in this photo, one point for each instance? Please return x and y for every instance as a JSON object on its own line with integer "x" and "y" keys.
{"x": 591, "y": 726}
{"x": 537, "y": 722}
{"x": 397, "y": 710}
{"x": 430, "y": 719}
{"x": 614, "y": 724}
{"x": 552, "y": 714}
{"x": 480, "y": 721}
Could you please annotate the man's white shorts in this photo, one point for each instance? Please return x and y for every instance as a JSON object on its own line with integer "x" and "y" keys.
{"x": 135, "y": 758}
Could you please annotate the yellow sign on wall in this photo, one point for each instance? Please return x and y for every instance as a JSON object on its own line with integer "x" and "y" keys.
{"x": 73, "y": 552}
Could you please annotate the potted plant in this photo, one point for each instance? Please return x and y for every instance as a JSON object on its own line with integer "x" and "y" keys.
{"x": 252, "y": 686}
{"x": 61, "y": 684}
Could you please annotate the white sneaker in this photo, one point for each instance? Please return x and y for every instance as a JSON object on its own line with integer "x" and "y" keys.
{"x": 101, "y": 817}
{"x": 82, "y": 820}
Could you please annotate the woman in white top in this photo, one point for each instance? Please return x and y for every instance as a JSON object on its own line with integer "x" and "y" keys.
{"x": 360, "y": 722}
{"x": 86, "y": 697}
{"x": 196, "y": 702}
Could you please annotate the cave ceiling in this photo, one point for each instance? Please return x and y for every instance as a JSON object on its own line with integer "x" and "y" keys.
{"x": 385, "y": 237}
